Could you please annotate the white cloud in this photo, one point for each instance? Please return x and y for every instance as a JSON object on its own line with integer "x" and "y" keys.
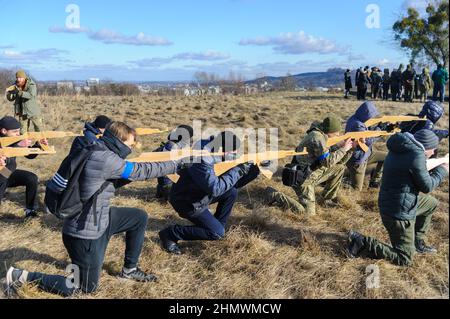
{"x": 112, "y": 37}
{"x": 384, "y": 62}
{"x": 108, "y": 36}
{"x": 204, "y": 56}
{"x": 185, "y": 56}
{"x": 41, "y": 56}
{"x": 296, "y": 43}
{"x": 56, "y": 29}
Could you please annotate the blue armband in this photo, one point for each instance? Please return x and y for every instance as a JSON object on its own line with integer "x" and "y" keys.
{"x": 324, "y": 156}
{"x": 128, "y": 170}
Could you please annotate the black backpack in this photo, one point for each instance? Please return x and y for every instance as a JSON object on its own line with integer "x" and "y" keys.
{"x": 62, "y": 194}
{"x": 295, "y": 174}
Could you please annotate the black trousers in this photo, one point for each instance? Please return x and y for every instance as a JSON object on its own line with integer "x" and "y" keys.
{"x": 22, "y": 178}
{"x": 385, "y": 91}
{"x": 88, "y": 255}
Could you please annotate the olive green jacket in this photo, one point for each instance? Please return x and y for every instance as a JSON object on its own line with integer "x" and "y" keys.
{"x": 25, "y": 102}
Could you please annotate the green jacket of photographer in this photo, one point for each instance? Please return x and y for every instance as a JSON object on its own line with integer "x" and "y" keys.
{"x": 25, "y": 103}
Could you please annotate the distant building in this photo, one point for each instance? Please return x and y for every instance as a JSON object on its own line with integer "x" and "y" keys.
{"x": 321, "y": 89}
{"x": 92, "y": 82}
{"x": 214, "y": 90}
{"x": 64, "y": 86}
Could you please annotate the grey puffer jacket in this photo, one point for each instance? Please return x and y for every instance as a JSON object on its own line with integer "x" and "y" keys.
{"x": 105, "y": 165}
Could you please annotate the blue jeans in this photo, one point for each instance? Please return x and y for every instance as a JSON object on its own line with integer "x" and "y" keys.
{"x": 438, "y": 89}
{"x": 88, "y": 255}
{"x": 206, "y": 225}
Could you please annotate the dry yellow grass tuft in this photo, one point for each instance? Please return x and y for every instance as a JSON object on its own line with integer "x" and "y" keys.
{"x": 267, "y": 253}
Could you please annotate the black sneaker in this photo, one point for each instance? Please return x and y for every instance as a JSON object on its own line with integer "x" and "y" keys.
{"x": 374, "y": 185}
{"x": 167, "y": 243}
{"x": 355, "y": 244}
{"x": 30, "y": 213}
{"x": 15, "y": 278}
{"x": 138, "y": 275}
{"x": 422, "y": 248}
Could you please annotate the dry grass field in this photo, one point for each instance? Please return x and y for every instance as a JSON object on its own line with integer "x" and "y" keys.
{"x": 268, "y": 252}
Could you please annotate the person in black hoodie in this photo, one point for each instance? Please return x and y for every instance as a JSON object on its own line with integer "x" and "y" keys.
{"x": 180, "y": 138}
{"x": 10, "y": 176}
{"x": 90, "y": 133}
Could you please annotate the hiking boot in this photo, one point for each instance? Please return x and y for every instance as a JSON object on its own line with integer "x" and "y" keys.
{"x": 30, "y": 213}
{"x": 374, "y": 185}
{"x": 422, "y": 248}
{"x": 138, "y": 275}
{"x": 269, "y": 196}
{"x": 331, "y": 203}
{"x": 355, "y": 244}
{"x": 167, "y": 243}
{"x": 15, "y": 278}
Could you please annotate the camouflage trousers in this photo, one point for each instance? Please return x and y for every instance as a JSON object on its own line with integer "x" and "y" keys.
{"x": 28, "y": 123}
{"x": 358, "y": 172}
{"x": 403, "y": 234}
{"x": 306, "y": 203}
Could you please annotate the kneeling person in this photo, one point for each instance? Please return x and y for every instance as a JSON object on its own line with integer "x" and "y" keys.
{"x": 178, "y": 139}
{"x": 10, "y": 127}
{"x": 86, "y": 236}
{"x": 90, "y": 133}
{"x": 198, "y": 187}
{"x": 327, "y": 165}
{"x": 405, "y": 213}
{"x": 360, "y": 160}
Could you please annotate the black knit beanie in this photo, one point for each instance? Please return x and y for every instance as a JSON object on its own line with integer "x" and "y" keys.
{"x": 427, "y": 138}
{"x": 9, "y": 123}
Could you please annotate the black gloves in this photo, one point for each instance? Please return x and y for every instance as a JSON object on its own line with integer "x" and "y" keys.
{"x": 391, "y": 127}
{"x": 184, "y": 163}
{"x": 244, "y": 168}
{"x": 265, "y": 164}
{"x": 388, "y": 127}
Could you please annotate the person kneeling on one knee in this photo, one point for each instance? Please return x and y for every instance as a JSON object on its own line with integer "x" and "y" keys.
{"x": 405, "y": 213}
{"x": 198, "y": 187}
{"x": 87, "y": 234}
{"x": 327, "y": 166}
{"x": 10, "y": 176}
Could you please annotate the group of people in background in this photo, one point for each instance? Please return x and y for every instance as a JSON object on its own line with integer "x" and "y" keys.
{"x": 400, "y": 174}
{"x": 400, "y": 83}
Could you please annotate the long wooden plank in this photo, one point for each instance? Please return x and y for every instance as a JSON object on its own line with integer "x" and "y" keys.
{"x": 7, "y": 141}
{"x": 357, "y": 136}
{"x": 150, "y": 131}
{"x": 175, "y": 155}
{"x": 255, "y": 158}
{"x": 24, "y": 151}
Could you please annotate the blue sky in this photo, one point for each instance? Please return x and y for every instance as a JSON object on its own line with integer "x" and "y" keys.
{"x": 171, "y": 40}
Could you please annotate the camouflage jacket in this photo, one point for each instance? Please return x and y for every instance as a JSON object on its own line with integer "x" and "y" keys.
{"x": 315, "y": 143}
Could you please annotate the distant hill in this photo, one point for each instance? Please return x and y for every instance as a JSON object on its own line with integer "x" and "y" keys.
{"x": 330, "y": 78}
